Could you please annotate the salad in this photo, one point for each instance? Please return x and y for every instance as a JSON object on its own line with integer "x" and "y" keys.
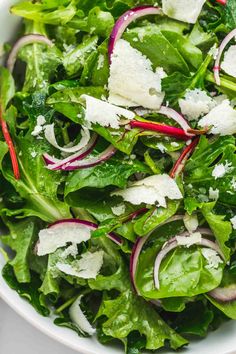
{"x": 118, "y": 167}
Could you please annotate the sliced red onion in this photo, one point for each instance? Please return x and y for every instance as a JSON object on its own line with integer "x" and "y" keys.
{"x": 92, "y": 226}
{"x": 90, "y": 162}
{"x": 50, "y": 137}
{"x": 222, "y": 2}
{"x": 173, "y": 243}
{"x": 124, "y": 21}
{"x": 181, "y": 162}
{"x": 25, "y": 40}
{"x": 136, "y": 213}
{"x": 216, "y": 68}
{"x": 226, "y": 294}
{"x": 161, "y": 128}
{"x": 137, "y": 248}
{"x": 56, "y": 164}
{"x": 177, "y": 117}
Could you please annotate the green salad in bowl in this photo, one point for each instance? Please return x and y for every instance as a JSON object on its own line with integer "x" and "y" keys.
{"x": 118, "y": 167}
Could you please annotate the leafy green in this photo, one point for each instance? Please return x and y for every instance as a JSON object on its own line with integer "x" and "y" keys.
{"x": 155, "y": 46}
{"x": 38, "y": 186}
{"x": 199, "y": 168}
{"x": 38, "y": 13}
{"x": 74, "y": 59}
{"x": 82, "y": 185}
{"x": 21, "y": 239}
{"x": 28, "y": 291}
{"x": 41, "y": 60}
{"x": 230, "y": 14}
{"x": 7, "y": 87}
{"x": 128, "y": 313}
{"x": 221, "y": 228}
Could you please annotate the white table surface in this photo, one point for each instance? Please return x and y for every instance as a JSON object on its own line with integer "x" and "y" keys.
{"x": 19, "y": 337}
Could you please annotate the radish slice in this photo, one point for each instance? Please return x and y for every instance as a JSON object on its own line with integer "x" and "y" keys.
{"x": 216, "y": 68}
{"x": 177, "y": 117}
{"x": 90, "y": 225}
{"x": 161, "y": 128}
{"x": 137, "y": 248}
{"x": 174, "y": 243}
{"x": 50, "y": 137}
{"x": 124, "y": 21}
{"x": 56, "y": 164}
{"x": 90, "y": 162}
{"x": 25, "y": 40}
{"x": 77, "y": 316}
{"x": 181, "y": 162}
{"x": 226, "y": 294}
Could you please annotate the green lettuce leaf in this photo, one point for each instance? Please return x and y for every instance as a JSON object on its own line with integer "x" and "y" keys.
{"x": 222, "y": 229}
{"x": 128, "y": 313}
{"x": 7, "y": 87}
{"x": 37, "y": 185}
{"x": 21, "y": 239}
{"x": 38, "y": 13}
{"x": 28, "y": 291}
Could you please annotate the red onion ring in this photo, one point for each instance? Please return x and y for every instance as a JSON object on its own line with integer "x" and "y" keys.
{"x": 56, "y": 164}
{"x": 172, "y": 244}
{"x": 226, "y": 294}
{"x": 25, "y": 40}
{"x": 224, "y": 43}
{"x": 181, "y": 162}
{"x": 92, "y": 226}
{"x": 137, "y": 248}
{"x": 124, "y": 21}
{"x": 90, "y": 162}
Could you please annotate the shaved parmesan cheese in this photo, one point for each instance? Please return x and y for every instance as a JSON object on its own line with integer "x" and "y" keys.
{"x": 220, "y": 170}
{"x": 39, "y": 126}
{"x": 50, "y": 137}
{"x": 71, "y": 250}
{"x": 183, "y": 10}
{"x": 77, "y": 316}
{"x": 188, "y": 241}
{"x": 58, "y": 236}
{"x": 196, "y": 103}
{"x": 88, "y": 267}
{"x": 151, "y": 190}
{"x": 104, "y": 113}
{"x": 121, "y": 101}
{"x": 190, "y": 222}
{"x": 233, "y": 222}
{"x": 213, "y": 194}
{"x": 229, "y": 63}
{"x": 118, "y": 210}
{"x": 212, "y": 258}
{"x": 133, "y": 79}
{"x": 221, "y": 119}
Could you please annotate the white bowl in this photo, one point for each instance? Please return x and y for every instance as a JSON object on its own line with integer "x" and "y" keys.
{"x": 222, "y": 341}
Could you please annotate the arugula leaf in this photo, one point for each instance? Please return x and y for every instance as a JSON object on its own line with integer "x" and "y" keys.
{"x": 154, "y": 217}
{"x": 195, "y": 319}
{"x": 7, "y": 87}
{"x": 68, "y": 101}
{"x": 230, "y": 14}
{"x": 198, "y": 170}
{"x": 38, "y": 13}
{"x": 41, "y": 60}
{"x": 128, "y": 313}
{"x": 74, "y": 59}
{"x": 82, "y": 185}
{"x": 28, "y": 291}
{"x": 156, "y": 47}
{"x": 221, "y": 228}
{"x": 21, "y": 240}
{"x": 38, "y": 186}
